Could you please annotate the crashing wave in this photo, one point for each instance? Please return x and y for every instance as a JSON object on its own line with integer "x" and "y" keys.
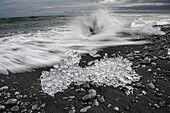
{"x": 24, "y": 52}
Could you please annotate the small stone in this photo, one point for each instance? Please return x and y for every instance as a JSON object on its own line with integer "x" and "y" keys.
{"x": 30, "y": 111}
{"x": 133, "y": 100}
{"x": 7, "y": 94}
{"x": 4, "y": 88}
{"x": 158, "y": 69}
{"x": 64, "y": 98}
{"x": 36, "y": 98}
{"x": 156, "y": 106}
{"x": 71, "y": 87}
{"x": 101, "y": 99}
{"x": 145, "y": 48}
{"x": 43, "y": 105}
{"x": 149, "y": 70}
{"x": 150, "y": 85}
{"x": 130, "y": 58}
{"x": 19, "y": 96}
{"x": 90, "y": 103}
{"x": 65, "y": 108}
{"x": 109, "y": 105}
{"x": 71, "y": 97}
{"x": 144, "y": 92}
{"x": 138, "y": 85}
{"x": 15, "y": 108}
{"x": 154, "y": 58}
{"x": 25, "y": 96}
{"x": 143, "y": 66}
{"x": 88, "y": 97}
{"x": 80, "y": 90}
{"x": 72, "y": 111}
{"x": 168, "y": 106}
{"x": 1, "y": 81}
{"x": 15, "y": 83}
{"x": 156, "y": 89}
{"x": 24, "y": 110}
{"x": 91, "y": 95}
{"x": 153, "y": 80}
{"x": 83, "y": 110}
{"x": 137, "y": 57}
{"x": 162, "y": 103}
{"x": 17, "y": 93}
{"x": 2, "y": 107}
{"x": 95, "y": 103}
{"x": 153, "y": 64}
{"x": 35, "y": 106}
{"x": 159, "y": 94}
{"x": 136, "y": 52}
{"x": 11, "y": 102}
{"x": 84, "y": 103}
{"x": 86, "y": 85}
{"x": 147, "y": 60}
{"x": 92, "y": 91}
{"x": 116, "y": 108}
{"x": 127, "y": 107}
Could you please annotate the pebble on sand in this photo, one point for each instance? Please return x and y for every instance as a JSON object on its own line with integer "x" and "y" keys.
{"x": 11, "y": 102}
{"x": 116, "y": 108}
{"x": 91, "y": 95}
{"x": 83, "y": 110}
{"x": 15, "y": 108}
{"x": 2, "y": 107}
{"x": 4, "y": 88}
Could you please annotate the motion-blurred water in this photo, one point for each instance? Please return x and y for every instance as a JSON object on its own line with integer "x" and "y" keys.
{"x": 33, "y": 42}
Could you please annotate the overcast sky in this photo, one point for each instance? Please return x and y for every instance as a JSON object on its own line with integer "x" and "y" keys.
{"x": 19, "y": 8}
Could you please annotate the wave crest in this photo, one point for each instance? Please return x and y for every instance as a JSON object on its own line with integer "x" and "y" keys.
{"x": 24, "y": 52}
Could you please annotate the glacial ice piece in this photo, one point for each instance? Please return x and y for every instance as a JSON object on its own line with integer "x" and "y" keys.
{"x": 108, "y": 72}
{"x": 140, "y": 21}
{"x": 146, "y": 27}
{"x": 168, "y": 52}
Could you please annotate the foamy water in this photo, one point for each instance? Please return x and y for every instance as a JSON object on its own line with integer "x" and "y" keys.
{"x": 24, "y": 52}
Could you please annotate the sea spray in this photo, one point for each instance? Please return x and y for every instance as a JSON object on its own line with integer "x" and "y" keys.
{"x": 97, "y": 23}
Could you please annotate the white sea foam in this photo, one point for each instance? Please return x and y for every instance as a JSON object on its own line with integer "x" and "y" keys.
{"x": 108, "y": 71}
{"x": 24, "y": 52}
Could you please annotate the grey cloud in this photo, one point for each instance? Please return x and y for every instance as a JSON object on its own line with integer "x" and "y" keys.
{"x": 138, "y": 1}
{"x": 11, "y": 8}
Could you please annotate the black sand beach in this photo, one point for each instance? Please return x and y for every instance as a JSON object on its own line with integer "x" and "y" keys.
{"x": 151, "y": 93}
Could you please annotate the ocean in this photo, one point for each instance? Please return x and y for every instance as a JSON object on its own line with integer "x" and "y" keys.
{"x": 28, "y": 43}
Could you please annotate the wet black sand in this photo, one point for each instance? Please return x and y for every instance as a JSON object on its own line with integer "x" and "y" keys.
{"x": 156, "y": 72}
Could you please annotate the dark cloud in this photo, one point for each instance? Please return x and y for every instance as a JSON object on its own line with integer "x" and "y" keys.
{"x": 143, "y": 9}
{"x": 136, "y": 1}
{"x": 11, "y": 8}
{"x": 152, "y": 1}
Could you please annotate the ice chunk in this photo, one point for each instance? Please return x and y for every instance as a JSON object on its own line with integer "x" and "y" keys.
{"x": 140, "y": 21}
{"x": 168, "y": 52}
{"x": 92, "y": 52}
{"x": 108, "y": 71}
{"x": 128, "y": 90}
{"x": 146, "y": 27}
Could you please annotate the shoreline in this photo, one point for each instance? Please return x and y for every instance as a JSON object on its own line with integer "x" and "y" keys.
{"x": 151, "y": 93}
